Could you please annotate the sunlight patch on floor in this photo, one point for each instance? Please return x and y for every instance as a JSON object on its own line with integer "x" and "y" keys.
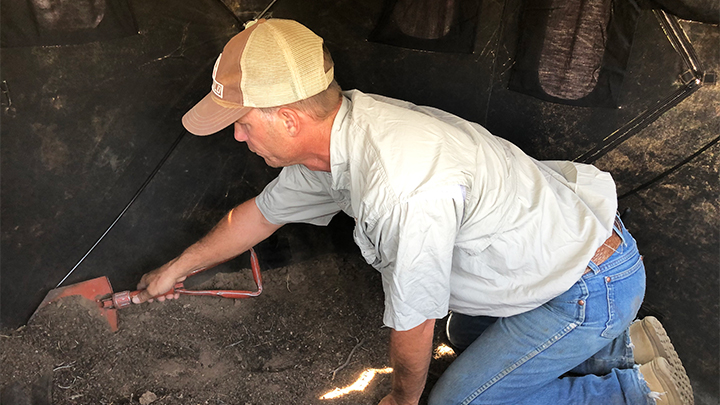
{"x": 359, "y": 385}
{"x": 442, "y": 351}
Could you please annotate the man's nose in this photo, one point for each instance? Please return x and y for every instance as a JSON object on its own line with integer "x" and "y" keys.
{"x": 240, "y": 134}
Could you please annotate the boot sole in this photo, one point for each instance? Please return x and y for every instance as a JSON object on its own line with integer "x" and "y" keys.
{"x": 653, "y": 327}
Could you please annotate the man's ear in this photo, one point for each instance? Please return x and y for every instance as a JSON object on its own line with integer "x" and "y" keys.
{"x": 290, "y": 119}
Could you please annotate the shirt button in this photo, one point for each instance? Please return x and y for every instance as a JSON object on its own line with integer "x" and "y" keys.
{"x": 581, "y": 302}
{"x": 607, "y": 279}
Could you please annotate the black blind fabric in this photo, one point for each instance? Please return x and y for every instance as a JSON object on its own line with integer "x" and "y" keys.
{"x": 63, "y": 22}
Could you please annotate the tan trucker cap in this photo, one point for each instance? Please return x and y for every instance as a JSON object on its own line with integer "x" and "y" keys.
{"x": 270, "y": 63}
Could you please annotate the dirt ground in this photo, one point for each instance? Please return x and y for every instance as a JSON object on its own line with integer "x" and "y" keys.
{"x": 316, "y": 327}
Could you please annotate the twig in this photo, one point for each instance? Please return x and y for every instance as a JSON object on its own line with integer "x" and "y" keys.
{"x": 62, "y": 366}
{"x": 287, "y": 282}
{"x": 348, "y": 358}
{"x": 266, "y": 343}
{"x": 234, "y": 344}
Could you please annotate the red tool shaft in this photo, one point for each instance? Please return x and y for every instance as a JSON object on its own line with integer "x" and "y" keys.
{"x": 123, "y": 299}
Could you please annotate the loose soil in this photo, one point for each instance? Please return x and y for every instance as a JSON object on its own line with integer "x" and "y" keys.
{"x": 279, "y": 348}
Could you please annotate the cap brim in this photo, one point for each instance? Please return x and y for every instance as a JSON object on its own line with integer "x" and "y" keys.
{"x": 208, "y": 117}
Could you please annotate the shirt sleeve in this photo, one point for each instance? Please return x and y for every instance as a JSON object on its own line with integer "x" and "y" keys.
{"x": 298, "y": 194}
{"x": 413, "y": 245}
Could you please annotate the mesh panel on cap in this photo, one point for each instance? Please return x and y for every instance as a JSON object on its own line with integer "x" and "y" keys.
{"x": 282, "y": 64}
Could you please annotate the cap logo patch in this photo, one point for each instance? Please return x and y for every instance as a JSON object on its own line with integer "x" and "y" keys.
{"x": 217, "y": 88}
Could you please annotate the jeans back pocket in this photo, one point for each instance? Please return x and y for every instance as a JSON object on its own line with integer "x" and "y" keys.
{"x": 625, "y": 289}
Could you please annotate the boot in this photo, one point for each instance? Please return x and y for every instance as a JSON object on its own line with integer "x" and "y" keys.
{"x": 663, "y": 387}
{"x": 650, "y": 340}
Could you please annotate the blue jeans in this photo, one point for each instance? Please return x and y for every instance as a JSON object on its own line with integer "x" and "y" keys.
{"x": 575, "y": 349}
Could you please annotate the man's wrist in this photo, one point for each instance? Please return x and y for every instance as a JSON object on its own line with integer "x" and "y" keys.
{"x": 177, "y": 268}
{"x": 393, "y": 399}
{"x": 399, "y": 399}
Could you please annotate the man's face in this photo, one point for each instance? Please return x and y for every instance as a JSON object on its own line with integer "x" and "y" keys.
{"x": 266, "y": 137}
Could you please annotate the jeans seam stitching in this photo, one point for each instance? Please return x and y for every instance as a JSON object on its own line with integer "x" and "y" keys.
{"x": 625, "y": 256}
{"x": 539, "y": 349}
{"x": 628, "y": 272}
{"x": 611, "y": 304}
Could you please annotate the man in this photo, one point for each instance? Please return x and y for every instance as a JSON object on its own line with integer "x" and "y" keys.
{"x": 542, "y": 278}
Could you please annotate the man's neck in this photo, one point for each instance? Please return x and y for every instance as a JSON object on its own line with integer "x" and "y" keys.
{"x": 318, "y": 146}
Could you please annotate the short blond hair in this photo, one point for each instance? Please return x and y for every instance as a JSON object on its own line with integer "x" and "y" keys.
{"x": 319, "y": 106}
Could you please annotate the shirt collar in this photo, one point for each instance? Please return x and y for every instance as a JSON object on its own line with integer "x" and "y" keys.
{"x": 339, "y": 153}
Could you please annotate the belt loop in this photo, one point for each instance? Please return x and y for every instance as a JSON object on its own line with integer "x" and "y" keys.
{"x": 619, "y": 228}
{"x": 593, "y": 267}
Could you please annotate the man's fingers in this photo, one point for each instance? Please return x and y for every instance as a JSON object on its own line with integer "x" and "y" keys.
{"x": 141, "y": 297}
{"x": 144, "y": 296}
{"x": 143, "y": 283}
{"x": 160, "y": 284}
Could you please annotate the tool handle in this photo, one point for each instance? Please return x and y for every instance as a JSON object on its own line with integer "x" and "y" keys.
{"x": 235, "y": 294}
{"x": 123, "y": 299}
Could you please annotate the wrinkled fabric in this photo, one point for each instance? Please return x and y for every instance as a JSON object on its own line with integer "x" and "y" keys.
{"x": 574, "y": 349}
{"x": 450, "y": 215}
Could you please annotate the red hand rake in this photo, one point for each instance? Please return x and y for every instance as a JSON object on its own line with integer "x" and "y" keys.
{"x": 100, "y": 291}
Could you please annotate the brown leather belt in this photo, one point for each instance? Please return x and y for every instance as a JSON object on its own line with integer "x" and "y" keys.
{"x": 607, "y": 249}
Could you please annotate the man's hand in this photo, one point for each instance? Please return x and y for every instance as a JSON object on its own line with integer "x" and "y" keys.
{"x": 242, "y": 228}
{"x": 156, "y": 283}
